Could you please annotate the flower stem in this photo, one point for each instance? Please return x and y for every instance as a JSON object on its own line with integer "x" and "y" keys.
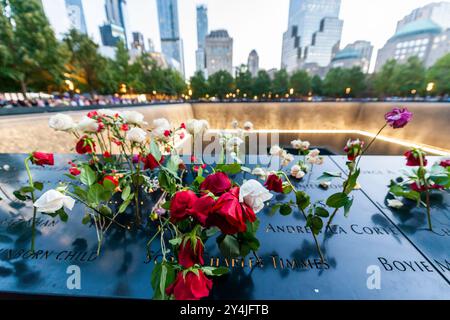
{"x": 331, "y": 218}
{"x": 429, "y": 210}
{"x": 33, "y": 198}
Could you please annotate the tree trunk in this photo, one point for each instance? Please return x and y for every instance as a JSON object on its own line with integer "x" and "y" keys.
{"x": 24, "y": 88}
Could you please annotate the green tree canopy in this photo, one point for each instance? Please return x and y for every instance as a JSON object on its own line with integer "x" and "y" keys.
{"x": 300, "y": 81}
{"x": 408, "y": 77}
{"x": 341, "y": 82}
{"x": 244, "y": 81}
{"x": 280, "y": 82}
{"x": 316, "y": 85}
{"x": 439, "y": 74}
{"x": 383, "y": 80}
{"x": 220, "y": 83}
{"x": 262, "y": 83}
{"x": 199, "y": 86}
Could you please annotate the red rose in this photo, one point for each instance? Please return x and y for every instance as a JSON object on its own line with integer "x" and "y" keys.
{"x": 182, "y": 126}
{"x": 74, "y": 171}
{"x": 124, "y": 127}
{"x": 190, "y": 287}
{"x": 445, "y": 163}
{"x": 92, "y": 114}
{"x": 106, "y": 154}
{"x": 274, "y": 183}
{"x": 216, "y": 183}
{"x": 202, "y": 208}
{"x": 414, "y": 186}
{"x": 41, "y": 158}
{"x": 167, "y": 133}
{"x": 229, "y": 215}
{"x": 188, "y": 256}
{"x": 181, "y": 204}
{"x": 413, "y": 159}
{"x": 112, "y": 179}
{"x": 83, "y": 146}
{"x": 150, "y": 162}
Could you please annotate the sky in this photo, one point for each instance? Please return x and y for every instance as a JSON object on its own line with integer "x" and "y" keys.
{"x": 255, "y": 24}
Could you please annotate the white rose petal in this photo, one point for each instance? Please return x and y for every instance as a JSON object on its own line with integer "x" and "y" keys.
{"x": 195, "y": 127}
{"x": 297, "y": 172}
{"x": 253, "y": 194}
{"x": 234, "y": 124}
{"x": 233, "y": 143}
{"x": 61, "y": 122}
{"x": 52, "y": 200}
{"x": 276, "y": 150}
{"x": 394, "y": 203}
{"x": 88, "y": 125}
{"x": 107, "y": 112}
{"x": 314, "y": 153}
{"x": 133, "y": 117}
{"x": 259, "y": 172}
{"x": 305, "y": 145}
{"x": 248, "y": 126}
{"x": 160, "y": 126}
{"x": 136, "y": 135}
{"x": 296, "y": 144}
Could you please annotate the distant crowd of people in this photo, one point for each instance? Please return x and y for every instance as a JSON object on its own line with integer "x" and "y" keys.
{"x": 9, "y": 101}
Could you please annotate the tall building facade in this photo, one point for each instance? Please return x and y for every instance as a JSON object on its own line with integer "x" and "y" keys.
{"x": 424, "y": 33}
{"x": 115, "y": 28}
{"x": 171, "y": 43}
{"x": 219, "y": 52}
{"x": 356, "y": 54}
{"x": 75, "y": 14}
{"x": 202, "y": 32}
{"x": 314, "y": 31}
{"x": 253, "y": 63}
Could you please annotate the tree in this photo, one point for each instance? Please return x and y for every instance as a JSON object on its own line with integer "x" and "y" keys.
{"x": 280, "y": 82}
{"x": 199, "y": 86}
{"x": 316, "y": 85}
{"x": 88, "y": 69}
{"x": 244, "y": 81}
{"x": 355, "y": 79}
{"x": 300, "y": 81}
{"x": 31, "y": 55}
{"x": 341, "y": 82}
{"x": 409, "y": 77}
{"x": 439, "y": 74}
{"x": 220, "y": 84}
{"x": 262, "y": 83}
{"x": 383, "y": 80}
{"x": 333, "y": 84}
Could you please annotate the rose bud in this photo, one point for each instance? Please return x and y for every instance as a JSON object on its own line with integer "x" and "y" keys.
{"x": 216, "y": 183}
{"x": 188, "y": 256}
{"x": 190, "y": 287}
{"x": 398, "y": 118}
{"x": 113, "y": 179}
{"x": 415, "y": 187}
{"x": 41, "y": 158}
{"x": 83, "y": 146}
{"x": 150, "y": 162}
{"x": 274, "y": 183}
{"x": 92, "y": 114}
{"x": 106, "y": 154}
{"x": 74, "y": 171}
{"x": 445, "y": 163}
{"x": 413, "y": 158}
{"x": 181, "y": 204}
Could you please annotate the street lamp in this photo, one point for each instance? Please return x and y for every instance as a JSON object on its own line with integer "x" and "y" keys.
{"x": 413, "y": 91}
{"x": 430, "y": 87}
{"x": 291, "y": 91}
{"x": 348, "y": 90}
{"x": 190, "y": 92}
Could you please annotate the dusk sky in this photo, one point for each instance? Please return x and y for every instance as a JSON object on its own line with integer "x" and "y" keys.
{"x": 257, "y": 24}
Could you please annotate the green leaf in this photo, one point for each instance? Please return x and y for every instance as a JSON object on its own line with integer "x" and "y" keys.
{"x": 109, "y": 185}
{"x": 94, "y": 194}
{"x": 213, "y": 271}
{"x": 303, "y": 200}
{"x": 316, "y": 224}
{"x": 285, "y": 209}
{"x": 274, "y": 208}
{"x": 162, "y": 276}
{"x": 62, "y": 215}
{"x": 249, "y": 243}
{"x": 38, "y": 185}
{"x": 287, "y": 189}
{"x": 154, "y": 150}
{"x": 88, "y": 176}
{"x": 26, "y": 189}
{"x": 124, "y": 206}
{"x": 347, "y": 207}
{"x": 329, "y": 176}
{"x": 175, "y": 241}
{"x": 126, "y": 193}
{"x": 337, "y": 200}
{"x": 351, "y": 183}
{"x": 86, "y": 218}
{"x": 232, "y": 168}
{"x": 105, "y": 210}
{"x": 229, "y": 246}
{"x": 80, "y": 192}
{"x": 173, "y": 163}
{"x": 166, "y": 205}
{"x": 321, "y": 212}
{"x": 19, "y": 195}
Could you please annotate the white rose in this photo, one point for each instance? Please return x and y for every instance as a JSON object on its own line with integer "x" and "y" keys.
{"x": 305, "y": 145}
{"x": 259, "y": 172}
{"x": 253, "y": 194}
{"x": 61, "y": 122}
{"x": 314, "y": 153}
{"x": 234, "y": 124}
{"x": 136, "y": 135}
{"x": 107, "y": 112}
{"x": 394, "y": 203}
{"x": 133, "y": 117}
{"x": 314, "y": 160}
{"x": 297, "y": 172}
{"x": 248, "y": 126}
{"x": 52, "y": 200}
{"x": 296, "y": 144}
{"x": 87, "y": 124}
{"x": 325, "y": 184}
{"x": 286, "y": 158}
{"x": 194, "y": 126}
{"x": 276, "y": 150}
{"x": 233, "y": 143}
{"x": 160, "y": 126}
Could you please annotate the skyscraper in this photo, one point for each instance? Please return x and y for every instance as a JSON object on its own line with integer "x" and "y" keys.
{"x": 75, "y": 14}
{"x": 171, "y": 43}
{"x": 357, "y": 54}
{"x": 424, "y": 33}
{"x": 115, "y": 27}
{"x": 314, "y": 31}
{"x": 253, "y": 63}
{"x": 219, "y": 52}
{"x": 202, "y": 32}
